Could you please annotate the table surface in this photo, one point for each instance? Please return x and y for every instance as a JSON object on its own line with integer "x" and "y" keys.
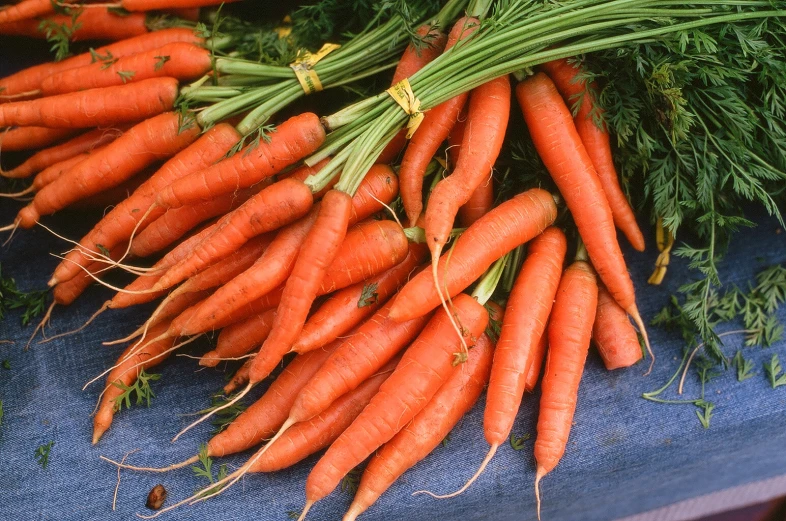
{"x": 625, "y": 455}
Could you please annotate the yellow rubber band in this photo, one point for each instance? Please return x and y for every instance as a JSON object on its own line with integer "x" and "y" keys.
{"x": 402, "y": 94}
{"x": 303, "y": 67}
{"x": 665, "y": 241}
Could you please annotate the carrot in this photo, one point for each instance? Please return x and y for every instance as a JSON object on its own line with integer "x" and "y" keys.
{"x": 275, "y": 206}
{"x": 432, "y": 132}
{"x": 427, "y": 430}
{"x": 152, "y": 140}
{"x": 120, "y": 222}
{"x": 510, "y": 224}
{"x": 240, "y": 338}
{"x": 240, "y": 378}
{"x": 559, "y": 145}
{"x": 54, "y": 172}
{"x": 479, "y": 203}
{"x": 311, "y": 436}
{"x": 25, "y": 9}
{"x": 265, "y": 416}
{"x": 526, "y": 314}
{"x": 217, "y": 274}
{"x": 337, "y": 276}
{"x": 90, "y": 24}
{"x": 569, "y": 333}
{"x": 597, "y": 144}
{"x": 94, "y": 107}
{"x": 66, "y": 293}
{"x": 425, "y": 366}
{"x": 176, "y": 222}
{"x": 487, "y": 119}
{"x": 25, "y": 138}
{"x": 538, "y": 354}
{"x": 28, "y": 81}
{"x": 180, "y": 60}
{"x": 45, "y": 158}
{"x": 292, "y": 140}
{"x": 275, "y": 265}
{"x": 360, "y": 355}
{"x": 154, "y": 5}
{"x": 126, "y": 373}
{"x": 415, "y": 57}
{"x": 348, "y": 307}
{"x": 370, "y": 248}
{"x": 320, "y": 247}
{"x": 613, "y": 333}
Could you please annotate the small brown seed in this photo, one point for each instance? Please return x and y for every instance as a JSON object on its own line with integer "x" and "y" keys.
{"x": 156, "y": 497}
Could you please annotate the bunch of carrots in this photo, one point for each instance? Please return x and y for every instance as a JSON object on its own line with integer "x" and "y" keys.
{"x": 288, "y": 247}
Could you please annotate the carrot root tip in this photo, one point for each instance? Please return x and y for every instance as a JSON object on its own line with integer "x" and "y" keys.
{"x": 309, "y": 504}
{"x": 475, "y": 476}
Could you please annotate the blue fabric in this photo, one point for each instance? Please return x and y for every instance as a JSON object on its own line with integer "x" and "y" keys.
{"x": 625, "y": 455}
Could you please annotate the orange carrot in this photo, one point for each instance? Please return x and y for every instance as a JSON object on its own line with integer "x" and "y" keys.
{"x": 54, "y": 172}
{"x": 292, "y": 140}
{"x": 126, "y": 374}
{"x": 432, "y": 132}
{"x": 306, "y": 438}
{"x": 359, "y": 356}
{"x": 240, "y": 338}
{"x": 275, "y": 265}
{"x": 570, "y": 330}
{"x": 119, "y": 223}
{"x": 559, "y": 145}
{"x": 512, "y": 223}
{"x": 426, "y": 365}
{"x": 180, "y": 60}
{"x": 152, "y": 140}
{"x": 613, "y": 333}
{"x": 28, "y": 81}
{"x": 596, "y": 142}
{"x": 524, "y": 323}
{"x": 427, "y": 430}
{"x": 25, "y": 138}
{"x": 348, "y": 307}
{"x": 415, "y": 57}
{"x": 94, "y": 107}
{"x": 25, "y": 9}
{"x": 479, "y": 203}
{"x": 147, "y": 281}
{"x": 176, "y": 222}
{"x": 90, "y": 24}
{"x": 66, "y": 293}
{"x": 487, "y": 119}
{"x": 265, "y": 416}
{"x": 275, "y": 206}
{"x": 50, "y": 156}
{"x": 319, "y": 248}
{"x": 538, "y": 355}
{"x": 154, "y": 5}
{"x": 370, "y": 248}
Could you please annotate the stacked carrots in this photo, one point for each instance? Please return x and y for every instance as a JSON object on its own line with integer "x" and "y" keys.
{"x": 286, "y": 257}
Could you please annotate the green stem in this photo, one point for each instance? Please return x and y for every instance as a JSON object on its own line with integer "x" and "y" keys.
{"x": 488, "y": 283}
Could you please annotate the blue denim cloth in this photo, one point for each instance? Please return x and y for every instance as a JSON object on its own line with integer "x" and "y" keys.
{"x": 625, "y": 455}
